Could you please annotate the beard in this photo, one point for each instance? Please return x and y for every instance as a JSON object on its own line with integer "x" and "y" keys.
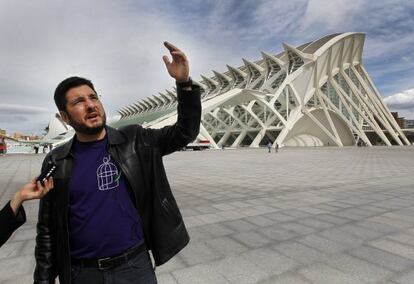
{"x": 86, "y": 130}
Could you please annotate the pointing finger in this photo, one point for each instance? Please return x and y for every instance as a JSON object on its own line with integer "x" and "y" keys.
{"x": 171, "y": 47}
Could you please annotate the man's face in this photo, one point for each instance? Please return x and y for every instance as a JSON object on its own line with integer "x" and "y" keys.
{"x": 84, "y": 111}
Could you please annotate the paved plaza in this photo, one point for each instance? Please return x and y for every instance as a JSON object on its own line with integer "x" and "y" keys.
{"x": 303, "y": 215}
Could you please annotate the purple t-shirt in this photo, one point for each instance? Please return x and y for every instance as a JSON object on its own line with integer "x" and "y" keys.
{"x": 103, "y": 221}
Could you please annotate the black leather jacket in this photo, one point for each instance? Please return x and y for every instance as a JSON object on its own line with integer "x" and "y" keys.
{"x": 10, "y": 222}
{"x": 138, "y": 152}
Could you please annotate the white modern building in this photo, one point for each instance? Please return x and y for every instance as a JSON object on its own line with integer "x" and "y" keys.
{"x": 315, "y": 94}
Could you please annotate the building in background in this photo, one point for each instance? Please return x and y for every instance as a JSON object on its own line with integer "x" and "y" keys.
{"x": 315, "y": 94}
{"x": 25, "y": 137}
{"x": 400, "y": 120}
{"x": 409, "y": 123}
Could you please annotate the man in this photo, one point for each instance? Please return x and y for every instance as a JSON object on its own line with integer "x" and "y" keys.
{"x": 269, "y": 146}
{"x": 112, "y": 201}
{"x": 13, "y": 215}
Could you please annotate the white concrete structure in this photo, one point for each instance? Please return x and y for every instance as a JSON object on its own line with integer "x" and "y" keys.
{"x": 58, "y": 132}
{"x": 56, "y": 128}
{"x": 315, "y": 94}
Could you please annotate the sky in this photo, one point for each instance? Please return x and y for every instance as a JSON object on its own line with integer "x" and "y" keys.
{"x": 118, "y": 45}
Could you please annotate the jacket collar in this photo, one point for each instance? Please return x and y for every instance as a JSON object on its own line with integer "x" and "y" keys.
{"x": 114, "y": 137}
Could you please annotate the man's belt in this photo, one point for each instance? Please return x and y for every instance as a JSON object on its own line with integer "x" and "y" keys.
{"x": 110, "y": 262}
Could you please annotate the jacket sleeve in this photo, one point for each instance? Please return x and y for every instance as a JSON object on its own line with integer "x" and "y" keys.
{"x": 10, "y": 222}
{"x": 45, "y": 270}
{"x": 174, "y": 137}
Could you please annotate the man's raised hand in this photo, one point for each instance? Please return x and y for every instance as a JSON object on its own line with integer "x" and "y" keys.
{"x": 179, "y": 68}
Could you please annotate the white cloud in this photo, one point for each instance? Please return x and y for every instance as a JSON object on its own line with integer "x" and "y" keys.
{"x": 26, "y": 119}
{"x": 402, "y": 102}
{"x": 275, "y": 18}
{"x": 14, "y": 109}
{"x": 332, "y": 15}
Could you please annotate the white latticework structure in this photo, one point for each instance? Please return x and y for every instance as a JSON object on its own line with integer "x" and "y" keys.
{"x": 318, "y": 93}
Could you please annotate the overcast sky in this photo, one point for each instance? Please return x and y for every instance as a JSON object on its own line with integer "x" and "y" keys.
{"x": 118, "y": 45}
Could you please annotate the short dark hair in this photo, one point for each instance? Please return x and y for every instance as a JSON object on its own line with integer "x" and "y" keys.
{"x": 65, "y": 86}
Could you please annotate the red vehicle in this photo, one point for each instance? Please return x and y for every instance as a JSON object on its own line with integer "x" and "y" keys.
{"x": 3, "y": 145}
{"x": 198, "y": 145}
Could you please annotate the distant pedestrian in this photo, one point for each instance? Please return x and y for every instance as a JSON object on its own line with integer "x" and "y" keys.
{"x": 36, "y": 149}
{"x": 269, "y": 146}
{"x": 276, "y": 148}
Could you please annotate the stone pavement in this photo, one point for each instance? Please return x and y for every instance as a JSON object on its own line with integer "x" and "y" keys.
{"x": 303, "y": 215}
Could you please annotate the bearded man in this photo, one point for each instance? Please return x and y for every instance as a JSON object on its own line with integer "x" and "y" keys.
{"x": 112, "y": 201}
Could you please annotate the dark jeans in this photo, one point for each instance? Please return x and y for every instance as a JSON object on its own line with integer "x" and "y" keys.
{"x": 137, "y": 270}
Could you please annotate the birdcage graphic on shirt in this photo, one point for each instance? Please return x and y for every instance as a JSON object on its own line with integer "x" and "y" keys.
{"x": 108, "y": 175}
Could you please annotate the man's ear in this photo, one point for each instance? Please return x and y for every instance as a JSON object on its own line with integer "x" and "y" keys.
{"x": 64, "y": 116}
